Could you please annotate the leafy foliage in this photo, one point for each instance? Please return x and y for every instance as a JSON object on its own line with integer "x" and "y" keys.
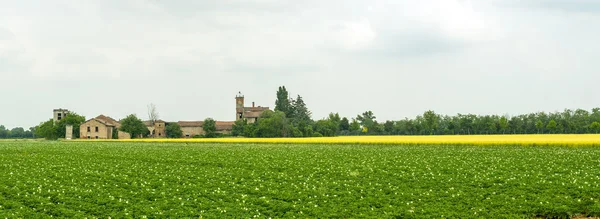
{"x": 134, "y": 126}
{"x": 239, "y": 127}
{"x": 73, "y": 119}
{"x": 210, "y": 128}
{"x": 47, "y": 130}
{"x": 145, "y": 180}
{"x": 282, "y": 103}
{"x": 173, "y": 130}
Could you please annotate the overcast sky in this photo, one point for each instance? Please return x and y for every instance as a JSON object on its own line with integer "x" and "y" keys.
{"x": 396, "y": 58}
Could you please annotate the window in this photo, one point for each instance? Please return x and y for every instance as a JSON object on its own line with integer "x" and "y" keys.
{"x": 89, "y": 130}
{"x": 59, "y": 116}
{"x": 240, "y": 115}
{"x": 96, "y": 128}
{"x": 159, "y": 134}
{"x": 96, "y": 137}
{"x": 88, "y": 137}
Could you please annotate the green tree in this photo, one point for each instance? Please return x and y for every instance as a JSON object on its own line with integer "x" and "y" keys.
{"x": 326, "y": 127}
{"x": 32, "y": 131}
{"x": 210, "y": 128}
{"x": 388, "y": 127}
{"x": 134, "y": 126}
{"x": 367, "y": 121}
{"x": 70, "y": 119}
{"x": 551, "y": 126}
{"x": 300, "y": 113}
{"x": 355, "y": 126}
{"x": 3, "y": 132}
{"x": 173, "y": 130}
{"x": 539, "y": 125}
{"x": 17, "y": 132}
{"x": 273, "y": 124}
{"x": 283, "y": 103}
{"x": 595, "y": 126}
{"x": 238, "y": 127}
{"x": 503, "y": 123}
{"x": 431, "y": 121}
{"x": 47, "y": 130}
{"x": 344, "y": 124}
{"x": 115, "y": 133}
{"x": 335, "y": 120}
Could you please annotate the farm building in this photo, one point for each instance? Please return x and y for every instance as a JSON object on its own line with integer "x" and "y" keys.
{"x": 102, "y": 127}
{"x": 251, "y": 114}
{"x": 194, "y": 128}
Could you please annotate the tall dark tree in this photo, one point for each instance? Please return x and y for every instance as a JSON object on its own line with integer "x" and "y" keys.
{"x": 283, "y": 102}
{"x": 300, "y": 113}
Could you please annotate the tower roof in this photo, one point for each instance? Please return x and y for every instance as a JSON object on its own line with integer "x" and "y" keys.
{"x": 239, "y": 95}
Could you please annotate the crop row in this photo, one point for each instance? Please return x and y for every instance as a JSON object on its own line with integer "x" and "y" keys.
{"x": 147, "y": 180}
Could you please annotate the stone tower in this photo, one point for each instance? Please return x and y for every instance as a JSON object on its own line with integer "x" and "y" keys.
{"x": 59, "y": 114}
{"x": 239, "y": 106}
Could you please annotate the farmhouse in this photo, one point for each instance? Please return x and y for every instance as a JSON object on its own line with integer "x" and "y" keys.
{"x": 101, "y": 127}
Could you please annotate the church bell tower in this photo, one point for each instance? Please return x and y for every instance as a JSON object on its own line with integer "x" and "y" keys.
{"x": 239, "y": 106}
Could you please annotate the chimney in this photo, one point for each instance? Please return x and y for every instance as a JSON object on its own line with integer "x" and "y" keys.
{"x": 252, "y": 104}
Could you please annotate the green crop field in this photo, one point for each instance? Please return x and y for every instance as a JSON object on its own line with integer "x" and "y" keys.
{"x": 175, "y": 180}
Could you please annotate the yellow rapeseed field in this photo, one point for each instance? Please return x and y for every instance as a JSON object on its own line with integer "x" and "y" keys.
{"x": 483, "y": 140}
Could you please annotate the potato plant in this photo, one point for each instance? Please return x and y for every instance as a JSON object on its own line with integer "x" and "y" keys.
{"x": 200, "y": 180}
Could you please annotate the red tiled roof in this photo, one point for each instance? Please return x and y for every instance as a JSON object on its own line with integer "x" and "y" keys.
{"x": 221, "y": 125}
{"x": 108, "y": 120}
{"x": 190, "y": 123}
{"x": 100, "y": 121}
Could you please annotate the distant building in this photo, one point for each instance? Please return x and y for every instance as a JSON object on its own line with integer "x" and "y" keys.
{"x": 59, "y": 114}
{"x": 194, "y": 128}
{"x": 157, "y": 128}
{"x": 251, "y": 114}
{"x": 101, "y": 127}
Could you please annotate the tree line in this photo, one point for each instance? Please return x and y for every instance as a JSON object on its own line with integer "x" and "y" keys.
{"x": 292, "y": 118}
{"x": 16, "y": 133}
